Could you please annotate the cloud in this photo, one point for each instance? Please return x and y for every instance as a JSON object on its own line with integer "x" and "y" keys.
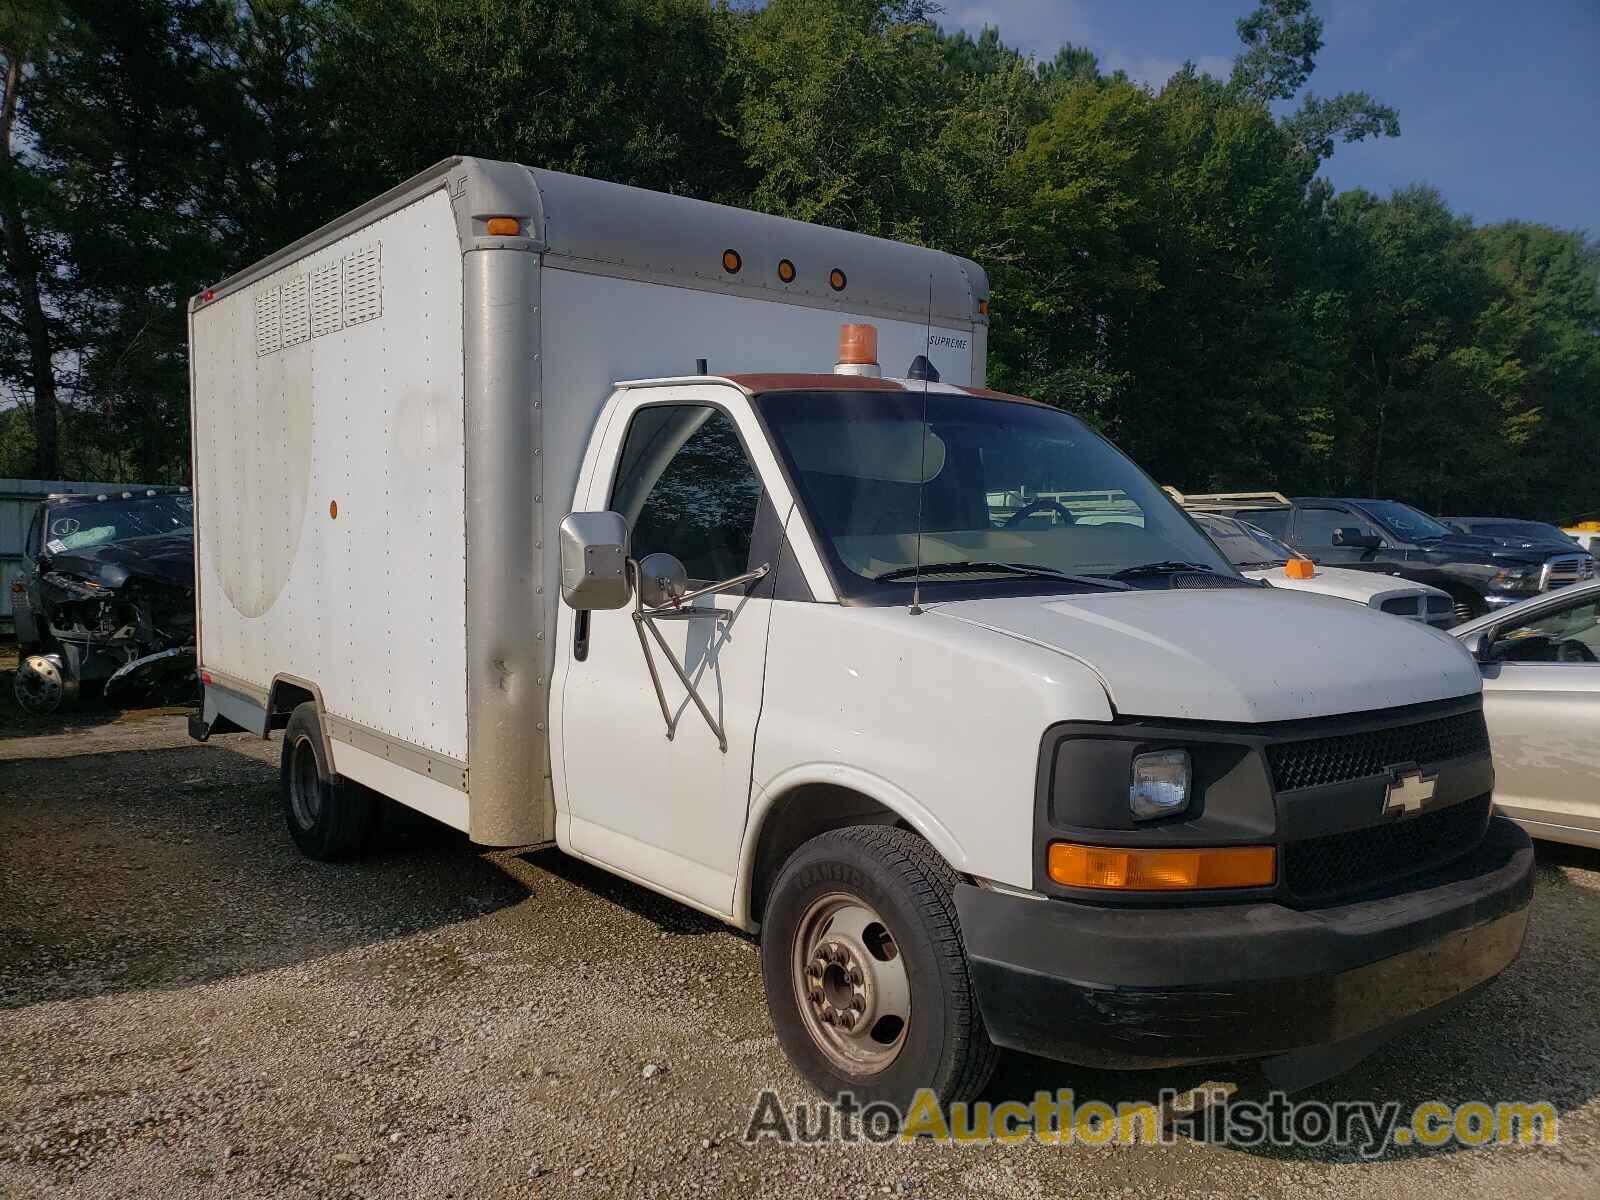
{"x": 1040, "y": 29}
{"x": 1156, "y": 69}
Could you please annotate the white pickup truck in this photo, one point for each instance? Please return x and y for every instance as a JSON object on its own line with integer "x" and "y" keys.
{"x": 532, "y": 502}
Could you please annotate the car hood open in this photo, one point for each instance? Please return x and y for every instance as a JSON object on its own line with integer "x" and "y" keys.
{"x": 1244, "y": 655}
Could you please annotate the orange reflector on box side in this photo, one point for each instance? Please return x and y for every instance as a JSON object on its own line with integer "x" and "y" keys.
{"x": 1138, "y": 870}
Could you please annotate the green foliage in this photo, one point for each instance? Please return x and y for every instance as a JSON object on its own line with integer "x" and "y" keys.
{"x": 1164, "y": 261}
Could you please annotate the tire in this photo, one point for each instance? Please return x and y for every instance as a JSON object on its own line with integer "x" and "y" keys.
{"x": 845, "y": 906}
{"x": 327, "y": 819}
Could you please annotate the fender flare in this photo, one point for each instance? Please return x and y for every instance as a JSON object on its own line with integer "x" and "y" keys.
{"x": 765, "y": 799}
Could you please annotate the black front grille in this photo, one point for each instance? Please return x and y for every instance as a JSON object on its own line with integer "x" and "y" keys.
{"x": 1347, "y": 756}
{"x": 1323, "y": 868}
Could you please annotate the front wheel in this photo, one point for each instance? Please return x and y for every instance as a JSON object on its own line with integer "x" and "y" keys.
{"x": 866, "y": 977}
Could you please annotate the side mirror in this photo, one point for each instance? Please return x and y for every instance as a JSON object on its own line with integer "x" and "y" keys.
{"x": 663, "y": 579}
{"x": 1481, "y": 646}
{"x": 594, "y": 561}
{"x": 1353, "y": 537}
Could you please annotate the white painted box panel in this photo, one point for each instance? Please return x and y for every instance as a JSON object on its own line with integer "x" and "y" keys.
{"x": 329, "y": 441}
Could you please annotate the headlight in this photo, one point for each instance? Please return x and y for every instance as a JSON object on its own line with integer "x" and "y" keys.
{"x": 1160, "y": 785}
{"x": 1515, "y": 579}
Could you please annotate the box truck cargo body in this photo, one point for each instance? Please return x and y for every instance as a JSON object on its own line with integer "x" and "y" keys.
{"x": 400, "y": 404}
{"x": 531, "y": 502}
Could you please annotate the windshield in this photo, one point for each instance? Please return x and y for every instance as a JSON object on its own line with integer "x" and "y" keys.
{"x": 1246, "y": 546}
{"x": 1405, "y": 520}
{"x": 76, "y": 525}
{"x": 996, "y": 482}
{"x": 1528, "y": 530}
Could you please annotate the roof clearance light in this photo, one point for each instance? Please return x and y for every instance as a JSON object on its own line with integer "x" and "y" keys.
{"x": 858, "y": 350}
{"x": 731, "y": 262}
{"x": 785, "y": 270}
{"x": 503, "y": 226}
{"x": 836, "y": 280}
{"x": 208, "y": 295}
{"x": 983, "y": 307}
{"x": 1299, "y": 568}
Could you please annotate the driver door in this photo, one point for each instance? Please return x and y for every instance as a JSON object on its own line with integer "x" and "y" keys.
{"x": 670, "y": 811}
{"x": 1541, "y": 697}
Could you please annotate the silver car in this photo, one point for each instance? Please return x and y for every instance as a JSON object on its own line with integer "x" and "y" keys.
{"x": 1540, "y": 661}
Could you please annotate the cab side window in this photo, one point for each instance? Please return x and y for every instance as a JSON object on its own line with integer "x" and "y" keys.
{"x": 687, "y": 488}
{"x": 1569, "y": 635}
{"x": 35, "y": 533}
{"x": 1314, "y": 526}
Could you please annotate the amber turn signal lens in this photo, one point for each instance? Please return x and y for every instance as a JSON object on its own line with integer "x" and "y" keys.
{"x": 1299, "y": 568}
{"x": 731, "y": 262}
{"x": 333, "y": 510}
{"x": 836, "y": 279}
{"x": 1123, "y": 869}
{"x": 785, "y": 270}
{"x": 503, "y": 226}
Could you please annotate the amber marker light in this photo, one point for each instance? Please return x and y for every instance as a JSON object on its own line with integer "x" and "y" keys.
{"x": 731, "y": 262}
{"x": 503, "y": 226}
{"x": 1299, "y": 568}
{"x": 983, "y": 307}
{"x": 836, "y": 280}
{"x": 1116, "y": 868}
{"x": 785, "y": 270}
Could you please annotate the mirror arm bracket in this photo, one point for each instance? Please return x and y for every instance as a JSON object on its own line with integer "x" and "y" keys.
{"x": 645, "y": 619}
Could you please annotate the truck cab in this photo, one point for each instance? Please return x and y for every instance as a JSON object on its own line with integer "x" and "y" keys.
{"x": 849, "y": 653}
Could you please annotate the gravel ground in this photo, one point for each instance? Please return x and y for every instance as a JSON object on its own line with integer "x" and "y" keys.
{"x": 188, "y": 1007}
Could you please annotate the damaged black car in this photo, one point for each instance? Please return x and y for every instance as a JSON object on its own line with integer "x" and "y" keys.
{"x": 109, "y": 599}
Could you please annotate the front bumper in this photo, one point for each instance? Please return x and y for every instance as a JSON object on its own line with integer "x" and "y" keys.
{"x": 1120, "y": 987}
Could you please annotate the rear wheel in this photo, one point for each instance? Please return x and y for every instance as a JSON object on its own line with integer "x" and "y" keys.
{"x": 865, "y": 973}
{"x": 327, "y": 818}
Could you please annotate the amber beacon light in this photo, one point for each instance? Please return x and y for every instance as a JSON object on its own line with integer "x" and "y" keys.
{"x": 1117, "y": 868}
{"x": 858, "y": 350}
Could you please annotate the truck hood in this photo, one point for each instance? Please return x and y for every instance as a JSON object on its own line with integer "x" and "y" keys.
{"x": 1363, "y": 587}
{"x": 166, "y": 558}
{"x": 1242, "y": 655}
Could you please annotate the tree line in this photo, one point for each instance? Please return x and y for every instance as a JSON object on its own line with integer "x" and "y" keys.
{"x": 1166, "y": 262}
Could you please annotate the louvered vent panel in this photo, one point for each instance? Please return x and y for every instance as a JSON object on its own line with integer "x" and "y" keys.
{"x": 327, "y": 301}
{"x": 297, "y": 310}
{"x": 269, "y": 330}
{"x": 363, "y": 286}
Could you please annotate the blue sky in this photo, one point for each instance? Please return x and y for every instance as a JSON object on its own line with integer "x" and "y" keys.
{"x": 1499, "y": 101}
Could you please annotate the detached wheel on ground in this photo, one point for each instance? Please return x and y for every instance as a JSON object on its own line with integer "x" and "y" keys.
{"x": 327, "y": 818}
{"x": 865, "y": 973}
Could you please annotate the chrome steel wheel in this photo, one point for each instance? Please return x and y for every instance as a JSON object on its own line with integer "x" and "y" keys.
{"x": 305, "y": 784}
{"x": 850, "y": 984}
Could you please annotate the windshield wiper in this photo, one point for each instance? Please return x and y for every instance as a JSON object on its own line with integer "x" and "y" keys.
{"x": 1170, "y": 567}
{"x": 963, "y": 566}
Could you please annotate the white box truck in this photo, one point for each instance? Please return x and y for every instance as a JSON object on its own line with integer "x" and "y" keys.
{"x": 549, "y": 508}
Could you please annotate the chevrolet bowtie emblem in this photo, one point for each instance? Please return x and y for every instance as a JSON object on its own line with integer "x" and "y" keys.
{"x": 1408, "y": 792}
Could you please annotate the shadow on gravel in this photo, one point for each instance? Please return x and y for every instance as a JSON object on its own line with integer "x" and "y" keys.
{"x": 666, "y": 915}
{"x": 166, "y": 868}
